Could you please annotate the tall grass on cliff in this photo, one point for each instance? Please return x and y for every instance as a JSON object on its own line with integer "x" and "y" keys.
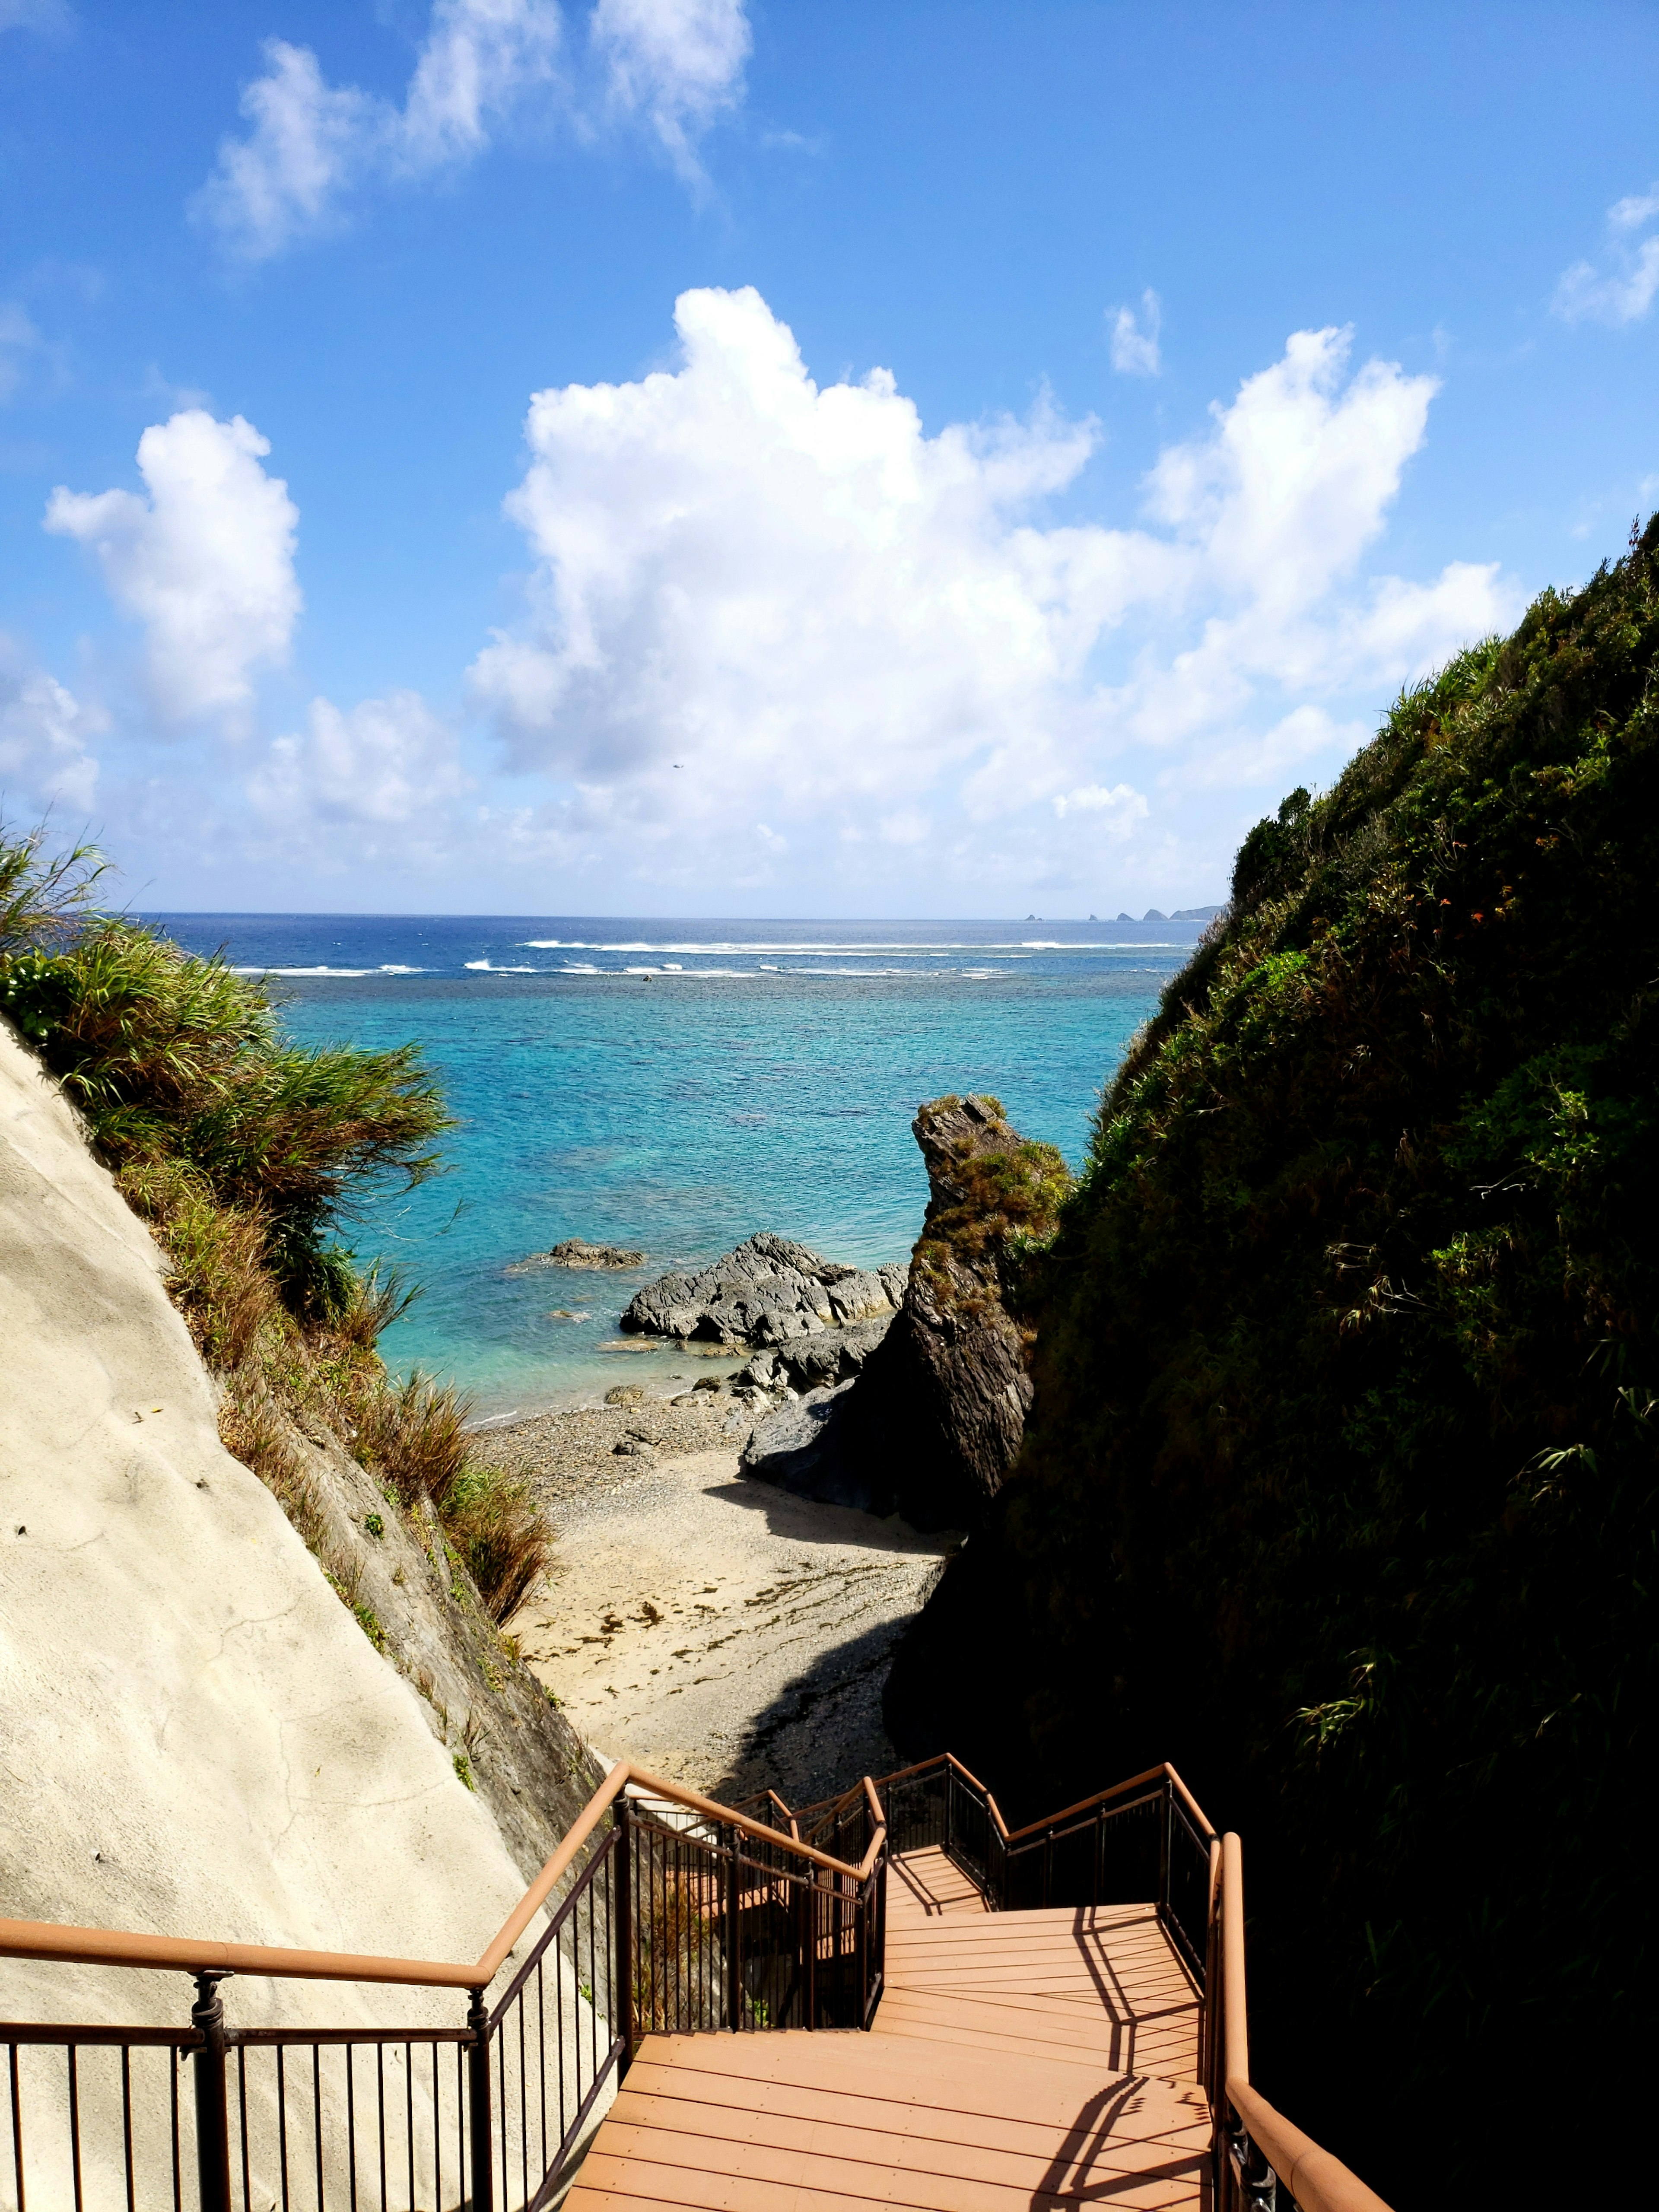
{"x": 1341, "y": 1484}
{"x": 247, "y": 1153}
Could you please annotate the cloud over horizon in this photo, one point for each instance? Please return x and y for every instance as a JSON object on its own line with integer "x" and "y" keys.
{"x": 756, "y": 598}
{"x": 775, "y": 633}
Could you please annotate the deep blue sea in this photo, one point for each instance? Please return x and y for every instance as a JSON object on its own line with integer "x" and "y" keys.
{"x": 676, "y": 1086}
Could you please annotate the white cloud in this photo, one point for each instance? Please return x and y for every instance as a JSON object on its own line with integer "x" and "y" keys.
{"x": 387, "y": 761}
{"x": 1135, "y": 350}
{"x": 205, "y": 562}
{"x": 1118, "y": 805}
{"x": 308, "y": 140}
{"x": 1623, "y": 289}
{"x": 678, "y": 64}
{"x": 44, "y": 731}
{"x": 794, "y": 589}
{"x": 1307, "y": 733}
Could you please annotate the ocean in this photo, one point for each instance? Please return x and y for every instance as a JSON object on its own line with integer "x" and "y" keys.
{"x": 676, "y": 1086}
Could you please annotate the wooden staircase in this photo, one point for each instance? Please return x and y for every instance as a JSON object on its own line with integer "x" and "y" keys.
{"x": 1016, "y": 2060}
{"x": 889, "y": 1999}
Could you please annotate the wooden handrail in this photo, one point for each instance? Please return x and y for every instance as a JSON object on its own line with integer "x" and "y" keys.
{"x": 103, "y": 1947}
{"x": 1318, "y": 2181}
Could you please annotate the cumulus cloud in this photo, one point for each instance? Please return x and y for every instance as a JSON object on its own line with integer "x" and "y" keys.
{"x": 44, "y": 731}
{"x": 205, "y": 561}
{"x": 1134, "y": 348}
{"x": 1622, "y": 288}
{"x": 748, "y": 584}
{"x": 385, "y": 762}
{"x": 678, "y": 64}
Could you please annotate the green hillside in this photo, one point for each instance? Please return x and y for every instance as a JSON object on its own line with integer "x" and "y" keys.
{"x": 1339, "y": 1489}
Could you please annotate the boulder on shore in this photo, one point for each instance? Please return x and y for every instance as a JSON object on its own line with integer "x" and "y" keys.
{"x": 768, "y": 1291}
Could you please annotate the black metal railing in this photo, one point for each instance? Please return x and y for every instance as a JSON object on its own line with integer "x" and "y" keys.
{"x": 1134, "y": 1846}
{"x": 675, "y": 1921}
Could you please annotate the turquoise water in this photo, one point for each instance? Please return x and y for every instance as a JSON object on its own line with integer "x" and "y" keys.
{"x": 677, "y": 1086}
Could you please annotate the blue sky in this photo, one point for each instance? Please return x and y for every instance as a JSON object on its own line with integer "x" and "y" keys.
{"x": 984, "y": 455}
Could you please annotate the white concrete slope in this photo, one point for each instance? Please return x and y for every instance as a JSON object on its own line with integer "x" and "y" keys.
{"x": 196, "y": 1737}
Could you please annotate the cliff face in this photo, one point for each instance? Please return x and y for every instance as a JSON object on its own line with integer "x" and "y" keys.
{"x": 1340, "y": 1485}
{"x": 932, "y": 1424}
{"x": 199, "y": 1737}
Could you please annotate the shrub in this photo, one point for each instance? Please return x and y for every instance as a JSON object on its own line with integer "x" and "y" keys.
{"x": 246, "y": 1153}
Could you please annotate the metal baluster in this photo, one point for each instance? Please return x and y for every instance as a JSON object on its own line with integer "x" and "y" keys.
{"x": 317, "y": 2116}
{"x": 379, "y": 2094}
{"x": 281, "y": 2127}
{"x": 351, "y": 2132}
{"x": 16, "y": 2128}
{"x": 178, "y": 2178}
{"x": 74, "y": 2128}
{"x": 461, "y": 2120}
{"x": 126, "y": 2120}
{"x": 241, "y": 2121}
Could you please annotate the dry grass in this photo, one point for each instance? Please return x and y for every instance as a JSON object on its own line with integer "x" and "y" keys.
{"x": 243, "y": 1151}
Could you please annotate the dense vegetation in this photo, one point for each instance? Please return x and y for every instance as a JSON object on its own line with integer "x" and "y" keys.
{"x": 244, "y": 1151}
{"x": 1339, "y": 1486}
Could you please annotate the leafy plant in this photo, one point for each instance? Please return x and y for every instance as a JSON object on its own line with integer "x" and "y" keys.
{"x": 247, "y": 1153}
{"x": 1331, "y": 1491}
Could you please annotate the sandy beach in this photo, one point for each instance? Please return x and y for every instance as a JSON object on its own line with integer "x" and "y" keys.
{"x": 718, "y": 1629}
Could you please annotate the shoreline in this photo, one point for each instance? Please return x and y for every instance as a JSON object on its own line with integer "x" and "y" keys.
{"x": 717, "y": 1628}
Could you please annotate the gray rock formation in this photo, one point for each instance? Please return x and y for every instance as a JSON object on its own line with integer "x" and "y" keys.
{"x": 768, "y": 1291}
{"x": 577, "y": 1252}
{"x": 811, "y": 1363}
{"x": 933, "y": 1421}
{"x": 799, "y": 1449}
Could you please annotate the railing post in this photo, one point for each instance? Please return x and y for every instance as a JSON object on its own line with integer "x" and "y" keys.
{"x": 1164, "y": 1827}
{"x": 207, "y": 2016}
{"x": 733, "y": 1925}
{"x": 950, "y": 1801}
{"x": 622, "y": 1859}
{"x": 478, "y": 2068}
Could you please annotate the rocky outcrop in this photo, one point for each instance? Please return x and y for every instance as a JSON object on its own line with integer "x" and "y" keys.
{"x": 811, "y": 1363}
{"x": 933, "y": 1420}
{"x": 767, "y": 1291}
{"x": 577, "y": 1252}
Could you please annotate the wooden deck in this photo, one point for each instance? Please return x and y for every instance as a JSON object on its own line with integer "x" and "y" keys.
{"x": 1018, "y": 2061}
